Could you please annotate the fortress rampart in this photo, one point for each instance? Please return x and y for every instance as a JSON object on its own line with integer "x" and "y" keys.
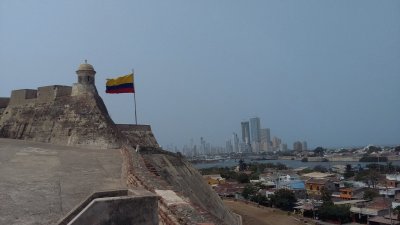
{"x": 23, "y": 96}
{"x": 139, "y": 134}
{"x": 68, "y": 115}
{"x": 44, "y": 94}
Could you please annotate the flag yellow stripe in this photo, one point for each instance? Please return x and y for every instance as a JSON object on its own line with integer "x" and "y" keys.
{"x": 120, "y": 80}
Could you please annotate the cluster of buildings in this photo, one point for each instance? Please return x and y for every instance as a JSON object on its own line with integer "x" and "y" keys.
{"x": 253, "y": 139}
{"x": 203, "y": 149}
{"x": 308, "y": 188}
{"x": 256, "y": 139}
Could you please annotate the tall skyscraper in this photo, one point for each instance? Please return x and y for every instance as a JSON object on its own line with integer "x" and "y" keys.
{"x": 202, "y": 146}
{"x": 297, "y": 146}
{"x": 304, "y": 145}
{"x": 255, "y": 129}
{"x": 246, "y": 132}
{"x": 265, "y": 139}
{"x": 235, "y": 142}
{"x": 229, "y": 146}
{"x": 268, "y": 134}
{"x": 276, "y": 142}
{"x": 255, "y": 134}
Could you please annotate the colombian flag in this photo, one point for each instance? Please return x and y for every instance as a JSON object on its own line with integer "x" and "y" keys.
{"x": 119, "y": 85}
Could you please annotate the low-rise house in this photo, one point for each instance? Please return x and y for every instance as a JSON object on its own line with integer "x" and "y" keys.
{"x": 315, "y": 186}
{"x": 392, "y": 180}
{"x": 396, "y": 201}
{"x": 390, "y": 192}
{"x": 305, "y": 206}
{"x": 267, "y": 192}
{"x": 351, "y": 193}
{"x": 384, "y": 220}
{"x": 366, "y": 210}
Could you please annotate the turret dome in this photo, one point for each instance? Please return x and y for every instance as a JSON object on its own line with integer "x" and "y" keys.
{"x": 85, "y": 66}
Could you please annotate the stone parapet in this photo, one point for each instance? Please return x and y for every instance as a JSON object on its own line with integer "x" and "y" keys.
{"x": 23, "y": 96}
{"x": 141, "y": 135}
{"x": 50, "y": 93}
{"x": 133, "y": 206}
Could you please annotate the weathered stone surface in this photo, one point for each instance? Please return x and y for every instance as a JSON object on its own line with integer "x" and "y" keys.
{"x": 139, "y": 135}
{"x": 186, "y": 180}
{"x": 40, "y": 183}
{"x": 68, "y": 120}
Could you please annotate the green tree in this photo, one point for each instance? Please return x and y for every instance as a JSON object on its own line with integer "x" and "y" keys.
{"x": 260, "y": 199}
{"x": 372, "y": 149}
{"x": 396, "y": 210}
{"x": 339, "y": 213}
{"x": 254, "y": 176}
{"x": 283, "y": 199}
{"x": 348, "y": 172}
{"x": 320, "y": 168}
{"x": 242, "y": 178}
{"x": 371, "y": 177}
{"x": 242, "y": 165}
{"x": 319, "y": 151}
{"x": 370, "y": 194}
{"x": 326, "y": 197}
{"x": 229, "y": 174}
{"x": 390, "y": 168}
{"x": 248, "y": 191}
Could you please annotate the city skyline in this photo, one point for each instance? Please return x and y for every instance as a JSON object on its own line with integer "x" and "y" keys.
{"x": 325, "y": 72}
{"x": 254, "y": 139}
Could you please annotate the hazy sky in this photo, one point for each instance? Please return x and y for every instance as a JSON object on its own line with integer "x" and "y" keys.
{"x": 327, "y": 72}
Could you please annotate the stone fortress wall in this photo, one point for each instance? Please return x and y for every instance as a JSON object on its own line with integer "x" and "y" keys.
{"x": 142, "y": 135}
{"x": 77, "y": 116}
{"x": 72, "y": 116}
{"x": 44, "y": 94}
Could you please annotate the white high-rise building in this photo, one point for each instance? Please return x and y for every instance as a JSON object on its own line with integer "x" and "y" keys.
{"x": 255, "y": 133}
{"x": 265, "y": 137}
{"x": 245, "y": 132}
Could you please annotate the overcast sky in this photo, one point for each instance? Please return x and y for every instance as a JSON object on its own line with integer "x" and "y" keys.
{"x": 327, "y": 72}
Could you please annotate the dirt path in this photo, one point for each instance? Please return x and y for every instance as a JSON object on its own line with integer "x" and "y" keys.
{"x": 252, "y": 215}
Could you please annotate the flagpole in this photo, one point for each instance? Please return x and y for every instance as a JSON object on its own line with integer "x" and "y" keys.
{"x": 134, "y": 94}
